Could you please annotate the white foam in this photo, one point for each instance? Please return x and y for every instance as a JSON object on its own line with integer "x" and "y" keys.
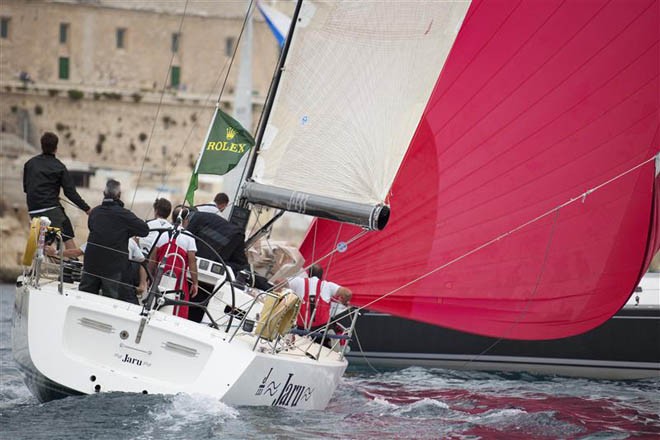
{"x": 423, "y": 409}
{"x": 14, "y": 393}
{"x": 190, "y": 409}
{"x": 379, "y": 400}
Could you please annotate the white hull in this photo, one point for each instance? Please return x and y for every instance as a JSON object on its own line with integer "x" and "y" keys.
{"x": 79, "y": 343}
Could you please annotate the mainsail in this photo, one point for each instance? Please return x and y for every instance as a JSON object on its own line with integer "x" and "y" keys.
{"x": 527, "y": 204}
{"x": 356, "y": 80}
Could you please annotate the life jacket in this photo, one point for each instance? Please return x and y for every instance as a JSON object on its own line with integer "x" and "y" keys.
{"x": 176, "y": 265}
{"x": 308, "y": 307}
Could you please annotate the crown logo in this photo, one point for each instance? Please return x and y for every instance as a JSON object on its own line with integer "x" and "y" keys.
{"x": 230, "y": 133}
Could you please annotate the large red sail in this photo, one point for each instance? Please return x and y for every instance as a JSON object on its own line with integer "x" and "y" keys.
{"x": 537, "y": 103}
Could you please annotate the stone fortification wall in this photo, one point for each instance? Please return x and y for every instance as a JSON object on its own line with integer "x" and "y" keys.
{"x": 213, "y": 8}
{"x": 107, "y": 132}
{"x": 33, "y": 44}
{"x": 118, "y": 113}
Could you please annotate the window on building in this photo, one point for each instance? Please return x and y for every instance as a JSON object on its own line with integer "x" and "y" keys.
{"x": 80, "y": 178}
{"x": 229, "y": 46}
{"x": 64, "y": 68}
{"x": 176, "y": 39}
{"x": 121, "y": 38}
{"x": 64, "y": 32}
{"x": 4, "y": 27}
{"x": 175, "y": 80}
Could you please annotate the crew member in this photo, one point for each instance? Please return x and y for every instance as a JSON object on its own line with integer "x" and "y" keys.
{"x": 106, "y": 262}
{"x": 43, "y": 176}
{"x": 177, "y": 254}
{"x": 219, "y": 205}
{"x": 316, "y": 295}
{"x": 162, "y": 209}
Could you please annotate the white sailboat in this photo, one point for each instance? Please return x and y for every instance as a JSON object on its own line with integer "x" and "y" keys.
{"x": 68, "y": 342}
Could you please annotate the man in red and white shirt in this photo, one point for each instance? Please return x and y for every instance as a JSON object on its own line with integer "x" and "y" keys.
{"x": 317, "y": 295}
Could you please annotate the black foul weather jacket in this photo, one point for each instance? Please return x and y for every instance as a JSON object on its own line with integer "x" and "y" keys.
{"x": 110, "y": 227}
{"x": 43, "y": 176}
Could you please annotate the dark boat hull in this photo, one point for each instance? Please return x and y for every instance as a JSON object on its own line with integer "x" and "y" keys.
{"x": 625, "y": 347}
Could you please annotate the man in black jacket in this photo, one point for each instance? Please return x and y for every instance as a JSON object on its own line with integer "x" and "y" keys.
{"x": 43, "y": 176}
{"x": 106, "y": 256}
{"x": 216, "y": 236}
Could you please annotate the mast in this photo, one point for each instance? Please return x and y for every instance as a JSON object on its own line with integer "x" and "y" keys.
{"x": 240, "y": 213}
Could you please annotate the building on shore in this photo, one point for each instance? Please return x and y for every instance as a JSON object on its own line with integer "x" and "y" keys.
{"x": 115, "y": 78}
{"x": 128, "y": 86}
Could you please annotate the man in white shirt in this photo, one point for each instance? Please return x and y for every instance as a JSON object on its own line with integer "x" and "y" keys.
{"x": 162, "y": 210}
{"x": 180, "y": 254}
{"x": 219, "y": 205}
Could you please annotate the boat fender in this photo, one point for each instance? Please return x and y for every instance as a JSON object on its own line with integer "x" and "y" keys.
{"x": 32, "y": 241}
{"x": 278, "y": 315}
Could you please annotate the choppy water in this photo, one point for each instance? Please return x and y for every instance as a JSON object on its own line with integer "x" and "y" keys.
{"x": 412, "y": 403}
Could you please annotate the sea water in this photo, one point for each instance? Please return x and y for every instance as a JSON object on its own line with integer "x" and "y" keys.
{"x": 414, "y": 403}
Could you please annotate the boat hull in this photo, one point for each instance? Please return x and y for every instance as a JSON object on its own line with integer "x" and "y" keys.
{"x": 625, "y": 347}
{"x": 77, "y": 343}
{"x": 39, "y": 385}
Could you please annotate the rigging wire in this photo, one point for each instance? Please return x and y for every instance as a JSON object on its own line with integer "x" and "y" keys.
{"x": 226, "y": 69}
{"x": 233, "y": 55}
{"x": 538, "y": 280}
{"x": 248, "y": 13}
{"x": 528, "y": 301}
{"x": 581, "y": 197}
{"x": 160, "y": 104}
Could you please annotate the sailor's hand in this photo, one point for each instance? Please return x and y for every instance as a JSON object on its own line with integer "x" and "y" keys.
{"x": 193, "y": 290}
{"x": 50, "y": 250}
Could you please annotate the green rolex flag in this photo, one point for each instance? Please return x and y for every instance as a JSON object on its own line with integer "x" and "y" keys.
{"x": 226, "y": 143}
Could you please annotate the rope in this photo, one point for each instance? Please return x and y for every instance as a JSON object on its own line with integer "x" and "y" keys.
{"x": 226, "y": 69}
{"x": 364, "y": 356}
{"x": 523, "y": 312}
{"x": 580, "y": 197}
{"x": 554, "y": 210}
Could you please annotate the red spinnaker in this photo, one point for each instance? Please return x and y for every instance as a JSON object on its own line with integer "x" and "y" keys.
{"x": 537, "y": 103}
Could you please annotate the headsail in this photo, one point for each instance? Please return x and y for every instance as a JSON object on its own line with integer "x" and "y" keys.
{"x": 537, "y": 103}
{"x": 356, "y": 79}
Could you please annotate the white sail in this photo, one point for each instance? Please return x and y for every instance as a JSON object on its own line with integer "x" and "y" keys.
{"x": 356, "y": 80}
